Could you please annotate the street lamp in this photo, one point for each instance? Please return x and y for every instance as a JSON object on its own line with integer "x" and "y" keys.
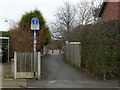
{"x": 8, "y": 39}
{"x": 9, "y": 23}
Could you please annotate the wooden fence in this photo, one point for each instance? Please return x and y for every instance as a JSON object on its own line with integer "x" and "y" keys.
{"x": 24, "y": 65}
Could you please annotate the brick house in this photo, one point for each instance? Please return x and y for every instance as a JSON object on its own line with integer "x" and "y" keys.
{"x": 110, "y": 11}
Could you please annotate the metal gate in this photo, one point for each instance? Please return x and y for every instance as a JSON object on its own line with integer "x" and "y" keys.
{"x": 24, "y": 65}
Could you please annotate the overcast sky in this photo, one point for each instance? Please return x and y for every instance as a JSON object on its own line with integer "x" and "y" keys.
{"x": 14, "y": 9}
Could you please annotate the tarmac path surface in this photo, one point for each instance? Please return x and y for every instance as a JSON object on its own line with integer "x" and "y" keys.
{"x": 61, "y": 75}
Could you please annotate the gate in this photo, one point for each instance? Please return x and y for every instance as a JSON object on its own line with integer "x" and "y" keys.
{"x": 24, "y": 65}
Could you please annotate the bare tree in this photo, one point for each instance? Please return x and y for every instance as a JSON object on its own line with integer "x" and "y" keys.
{"x": 58, "y": 30}
{"x": 85, "y": 12}
{"x": 69, "y": 17}
{"x": 65, "y": 19}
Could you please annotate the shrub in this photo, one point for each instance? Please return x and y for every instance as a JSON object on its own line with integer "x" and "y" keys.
{"x": 22, "y": 36}
{"x": 99, "y": 50}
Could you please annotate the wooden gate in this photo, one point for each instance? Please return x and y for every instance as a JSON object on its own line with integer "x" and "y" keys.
{"x": 24, "y": 65}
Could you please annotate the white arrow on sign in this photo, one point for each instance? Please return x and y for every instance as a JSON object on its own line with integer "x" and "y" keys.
{"x": 35, "y": 23}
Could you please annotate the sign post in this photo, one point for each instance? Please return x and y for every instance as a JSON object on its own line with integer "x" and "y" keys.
{"x": 34, "y": 26}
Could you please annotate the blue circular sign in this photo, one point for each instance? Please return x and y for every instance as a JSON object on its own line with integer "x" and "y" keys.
{"x": 34, "y": 20}
{"x": 35, "y": 23}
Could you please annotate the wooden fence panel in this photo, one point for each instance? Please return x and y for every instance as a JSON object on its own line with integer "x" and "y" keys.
{"x": 24, "y": 64}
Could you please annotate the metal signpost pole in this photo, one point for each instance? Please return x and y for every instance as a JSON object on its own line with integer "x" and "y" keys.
{"x": 34, "y": 27}
{"x": 34, "y": 51}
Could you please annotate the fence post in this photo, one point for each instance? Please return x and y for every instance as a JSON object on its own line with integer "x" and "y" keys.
{"x": 44, "y": 50}
{"x": 39, "y": 65}
{"x": 15, "y": 64}
{"x": 12, "y": 68}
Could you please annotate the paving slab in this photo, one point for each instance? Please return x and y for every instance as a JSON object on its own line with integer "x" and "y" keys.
{"x": 14, "y": 83}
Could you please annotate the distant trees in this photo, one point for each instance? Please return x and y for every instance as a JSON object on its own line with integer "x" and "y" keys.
{"x": 70, "y": 16}
{"x": 4, "y": 34}
{"x": 4, "y": 41}
{"x": 65, "y": 19}
{"x": 86, "y": 12}
{"x": 22, "y": 36}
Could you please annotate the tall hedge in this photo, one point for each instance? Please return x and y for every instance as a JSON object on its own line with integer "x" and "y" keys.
{"x": 22, "y": 35}
{"x": 99, "y": 48}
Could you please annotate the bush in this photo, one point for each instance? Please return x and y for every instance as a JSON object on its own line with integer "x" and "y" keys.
{"x": 22, "y": 36}
{"x": 99, "y": 50}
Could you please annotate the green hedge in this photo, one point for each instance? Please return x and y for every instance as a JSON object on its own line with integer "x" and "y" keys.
{"x": 100, "y": 48}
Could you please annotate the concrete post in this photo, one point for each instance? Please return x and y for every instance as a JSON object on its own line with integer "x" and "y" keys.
{"x": 12, "y": 67}
{"x": 39, "y": 65}
{"x": 15, "y": 64}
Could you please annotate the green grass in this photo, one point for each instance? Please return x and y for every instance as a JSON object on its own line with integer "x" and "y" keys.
{"x": 7, "y": 70}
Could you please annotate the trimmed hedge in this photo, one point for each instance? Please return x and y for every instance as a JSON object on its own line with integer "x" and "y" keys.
{"x": 99, "y": 50}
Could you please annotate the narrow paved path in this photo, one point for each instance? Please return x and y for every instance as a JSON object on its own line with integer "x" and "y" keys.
{"x": 61, "y": 75}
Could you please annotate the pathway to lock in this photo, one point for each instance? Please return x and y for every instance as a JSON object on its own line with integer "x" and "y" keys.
{"x": 61, "y": 75}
